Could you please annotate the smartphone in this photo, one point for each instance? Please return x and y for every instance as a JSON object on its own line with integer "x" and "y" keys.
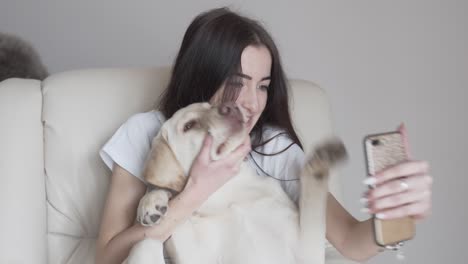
{"x": 383, "y": 150}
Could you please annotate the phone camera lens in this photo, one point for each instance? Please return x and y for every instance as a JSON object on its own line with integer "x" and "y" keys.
{"x": 375, "y": 142}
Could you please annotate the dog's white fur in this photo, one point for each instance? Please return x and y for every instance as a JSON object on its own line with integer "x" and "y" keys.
{"x": 248, "y": 220}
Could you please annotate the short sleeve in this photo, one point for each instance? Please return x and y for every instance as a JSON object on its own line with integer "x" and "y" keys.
{"x": 130, "y": 144}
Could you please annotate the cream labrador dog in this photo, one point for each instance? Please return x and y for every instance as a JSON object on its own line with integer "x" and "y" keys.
{"x": 248, "y": 220}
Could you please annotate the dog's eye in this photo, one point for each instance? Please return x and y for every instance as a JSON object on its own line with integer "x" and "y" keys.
{"x": 189, "y": 125}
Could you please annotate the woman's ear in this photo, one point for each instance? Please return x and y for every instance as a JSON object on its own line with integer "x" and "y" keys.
{"x": 162, "y": 169}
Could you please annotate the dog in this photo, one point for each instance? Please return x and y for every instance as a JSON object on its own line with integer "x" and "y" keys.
{"x": 250, "y": 219}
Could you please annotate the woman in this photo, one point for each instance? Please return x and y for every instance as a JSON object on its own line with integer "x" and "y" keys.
{"x": 225, "y": 56}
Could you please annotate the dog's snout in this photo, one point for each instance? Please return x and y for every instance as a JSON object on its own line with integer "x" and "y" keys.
{"x": 231, "y": 110}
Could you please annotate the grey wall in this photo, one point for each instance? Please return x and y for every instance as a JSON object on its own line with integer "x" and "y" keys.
{"x": 381, "y": 62}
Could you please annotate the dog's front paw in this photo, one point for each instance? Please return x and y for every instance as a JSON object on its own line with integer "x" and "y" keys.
{"x": 326, "y": 156}
{"x": 152, "y": 207}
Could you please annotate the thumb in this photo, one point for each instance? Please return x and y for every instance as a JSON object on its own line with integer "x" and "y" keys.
{"x": 404, "y": 133}
{"x": 206, "y": 146}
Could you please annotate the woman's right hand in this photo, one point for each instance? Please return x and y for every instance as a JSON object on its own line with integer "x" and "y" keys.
{"x": 207, "y": 175}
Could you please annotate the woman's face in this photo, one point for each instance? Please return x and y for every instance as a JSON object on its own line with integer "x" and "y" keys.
{"x": 253, "y": 83}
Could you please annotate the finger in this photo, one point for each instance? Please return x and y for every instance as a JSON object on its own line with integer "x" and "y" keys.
{"x": 394, "y": 186}
{"x": 424, "y": 214}
{"x": 399, "y": 170}
{"x": 206, "y": 146}
{"x": 419, "y": 182}
{"x": 246, "y": 142}
{"x": 412, "y": 209}
{"x": 399, "y": 200}
{"x": 404, "y": 134}
{"x": 239, "y": 153}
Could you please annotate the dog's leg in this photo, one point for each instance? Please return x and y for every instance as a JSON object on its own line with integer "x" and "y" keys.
{"x": 153, "y": 206}
{"x": 147, "y": 251}
{"x": 313, "y": 198}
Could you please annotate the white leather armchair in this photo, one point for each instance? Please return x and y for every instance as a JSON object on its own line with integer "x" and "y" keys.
{"x": 52, "y": 180}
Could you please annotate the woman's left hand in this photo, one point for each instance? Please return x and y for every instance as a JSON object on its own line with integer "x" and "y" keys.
{"x": 402, "y": 190}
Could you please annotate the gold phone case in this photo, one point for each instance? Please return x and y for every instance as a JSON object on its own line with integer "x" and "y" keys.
{"x": 383, "y": 150}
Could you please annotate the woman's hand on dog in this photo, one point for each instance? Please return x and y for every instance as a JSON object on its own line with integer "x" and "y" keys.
{"x": 207, "y": 175}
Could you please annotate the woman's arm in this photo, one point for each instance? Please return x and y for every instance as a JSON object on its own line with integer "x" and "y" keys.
{"x": 119, "y": 232}
{"x": 117, "y": 235}
{"x": 352, "y": 238}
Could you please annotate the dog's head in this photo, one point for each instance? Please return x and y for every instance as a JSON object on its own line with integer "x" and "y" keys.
{"x": 181, "y": 137}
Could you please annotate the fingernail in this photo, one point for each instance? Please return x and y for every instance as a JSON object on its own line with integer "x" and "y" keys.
{"x": 370, "y": 181}
{"x": 365, "y": 210}
{"x": 380, "y": 216}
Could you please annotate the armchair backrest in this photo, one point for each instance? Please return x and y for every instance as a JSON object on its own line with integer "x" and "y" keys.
{"x": 53, "y": 183}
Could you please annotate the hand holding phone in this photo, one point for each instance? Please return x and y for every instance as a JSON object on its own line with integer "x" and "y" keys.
{"x": 382, "y": 151}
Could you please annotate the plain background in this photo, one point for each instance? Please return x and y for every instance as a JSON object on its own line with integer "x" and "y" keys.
{"x": 380, "y": 62}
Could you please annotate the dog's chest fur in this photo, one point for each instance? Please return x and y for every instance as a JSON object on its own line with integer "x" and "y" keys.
{"x": 249, "y": 216}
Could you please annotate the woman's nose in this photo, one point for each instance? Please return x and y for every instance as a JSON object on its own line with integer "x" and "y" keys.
{"x": 248, "y": 100}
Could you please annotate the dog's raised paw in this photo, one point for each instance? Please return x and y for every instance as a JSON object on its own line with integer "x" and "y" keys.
{"x": 331, "y": 152}
{"x": 325, "y": 156}
{"x": 152, "y": 207}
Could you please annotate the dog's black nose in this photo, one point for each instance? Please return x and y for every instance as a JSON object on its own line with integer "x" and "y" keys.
{"x": 154, "y": 218}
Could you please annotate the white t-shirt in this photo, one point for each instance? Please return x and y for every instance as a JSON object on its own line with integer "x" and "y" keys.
{"x": 131, "y": 143}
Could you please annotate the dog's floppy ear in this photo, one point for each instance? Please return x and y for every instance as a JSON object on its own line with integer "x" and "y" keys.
{"x": 162, "y": 168}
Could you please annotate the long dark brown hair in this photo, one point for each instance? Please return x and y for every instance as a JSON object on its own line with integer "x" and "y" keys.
{"x": 210, "y": 54}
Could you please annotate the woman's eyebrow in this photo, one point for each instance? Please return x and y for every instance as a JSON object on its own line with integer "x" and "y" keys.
{"x": 250, "y": 78}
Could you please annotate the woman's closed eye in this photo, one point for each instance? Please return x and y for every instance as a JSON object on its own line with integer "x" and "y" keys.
{"x": 235, "y": 84}
{"x": 264, "y": 87}
{"x": 240, "y": 85}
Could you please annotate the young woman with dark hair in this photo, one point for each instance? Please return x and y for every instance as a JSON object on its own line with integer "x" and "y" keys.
{"x": 228, "y": 57}
{"x": 209, "y": 58}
